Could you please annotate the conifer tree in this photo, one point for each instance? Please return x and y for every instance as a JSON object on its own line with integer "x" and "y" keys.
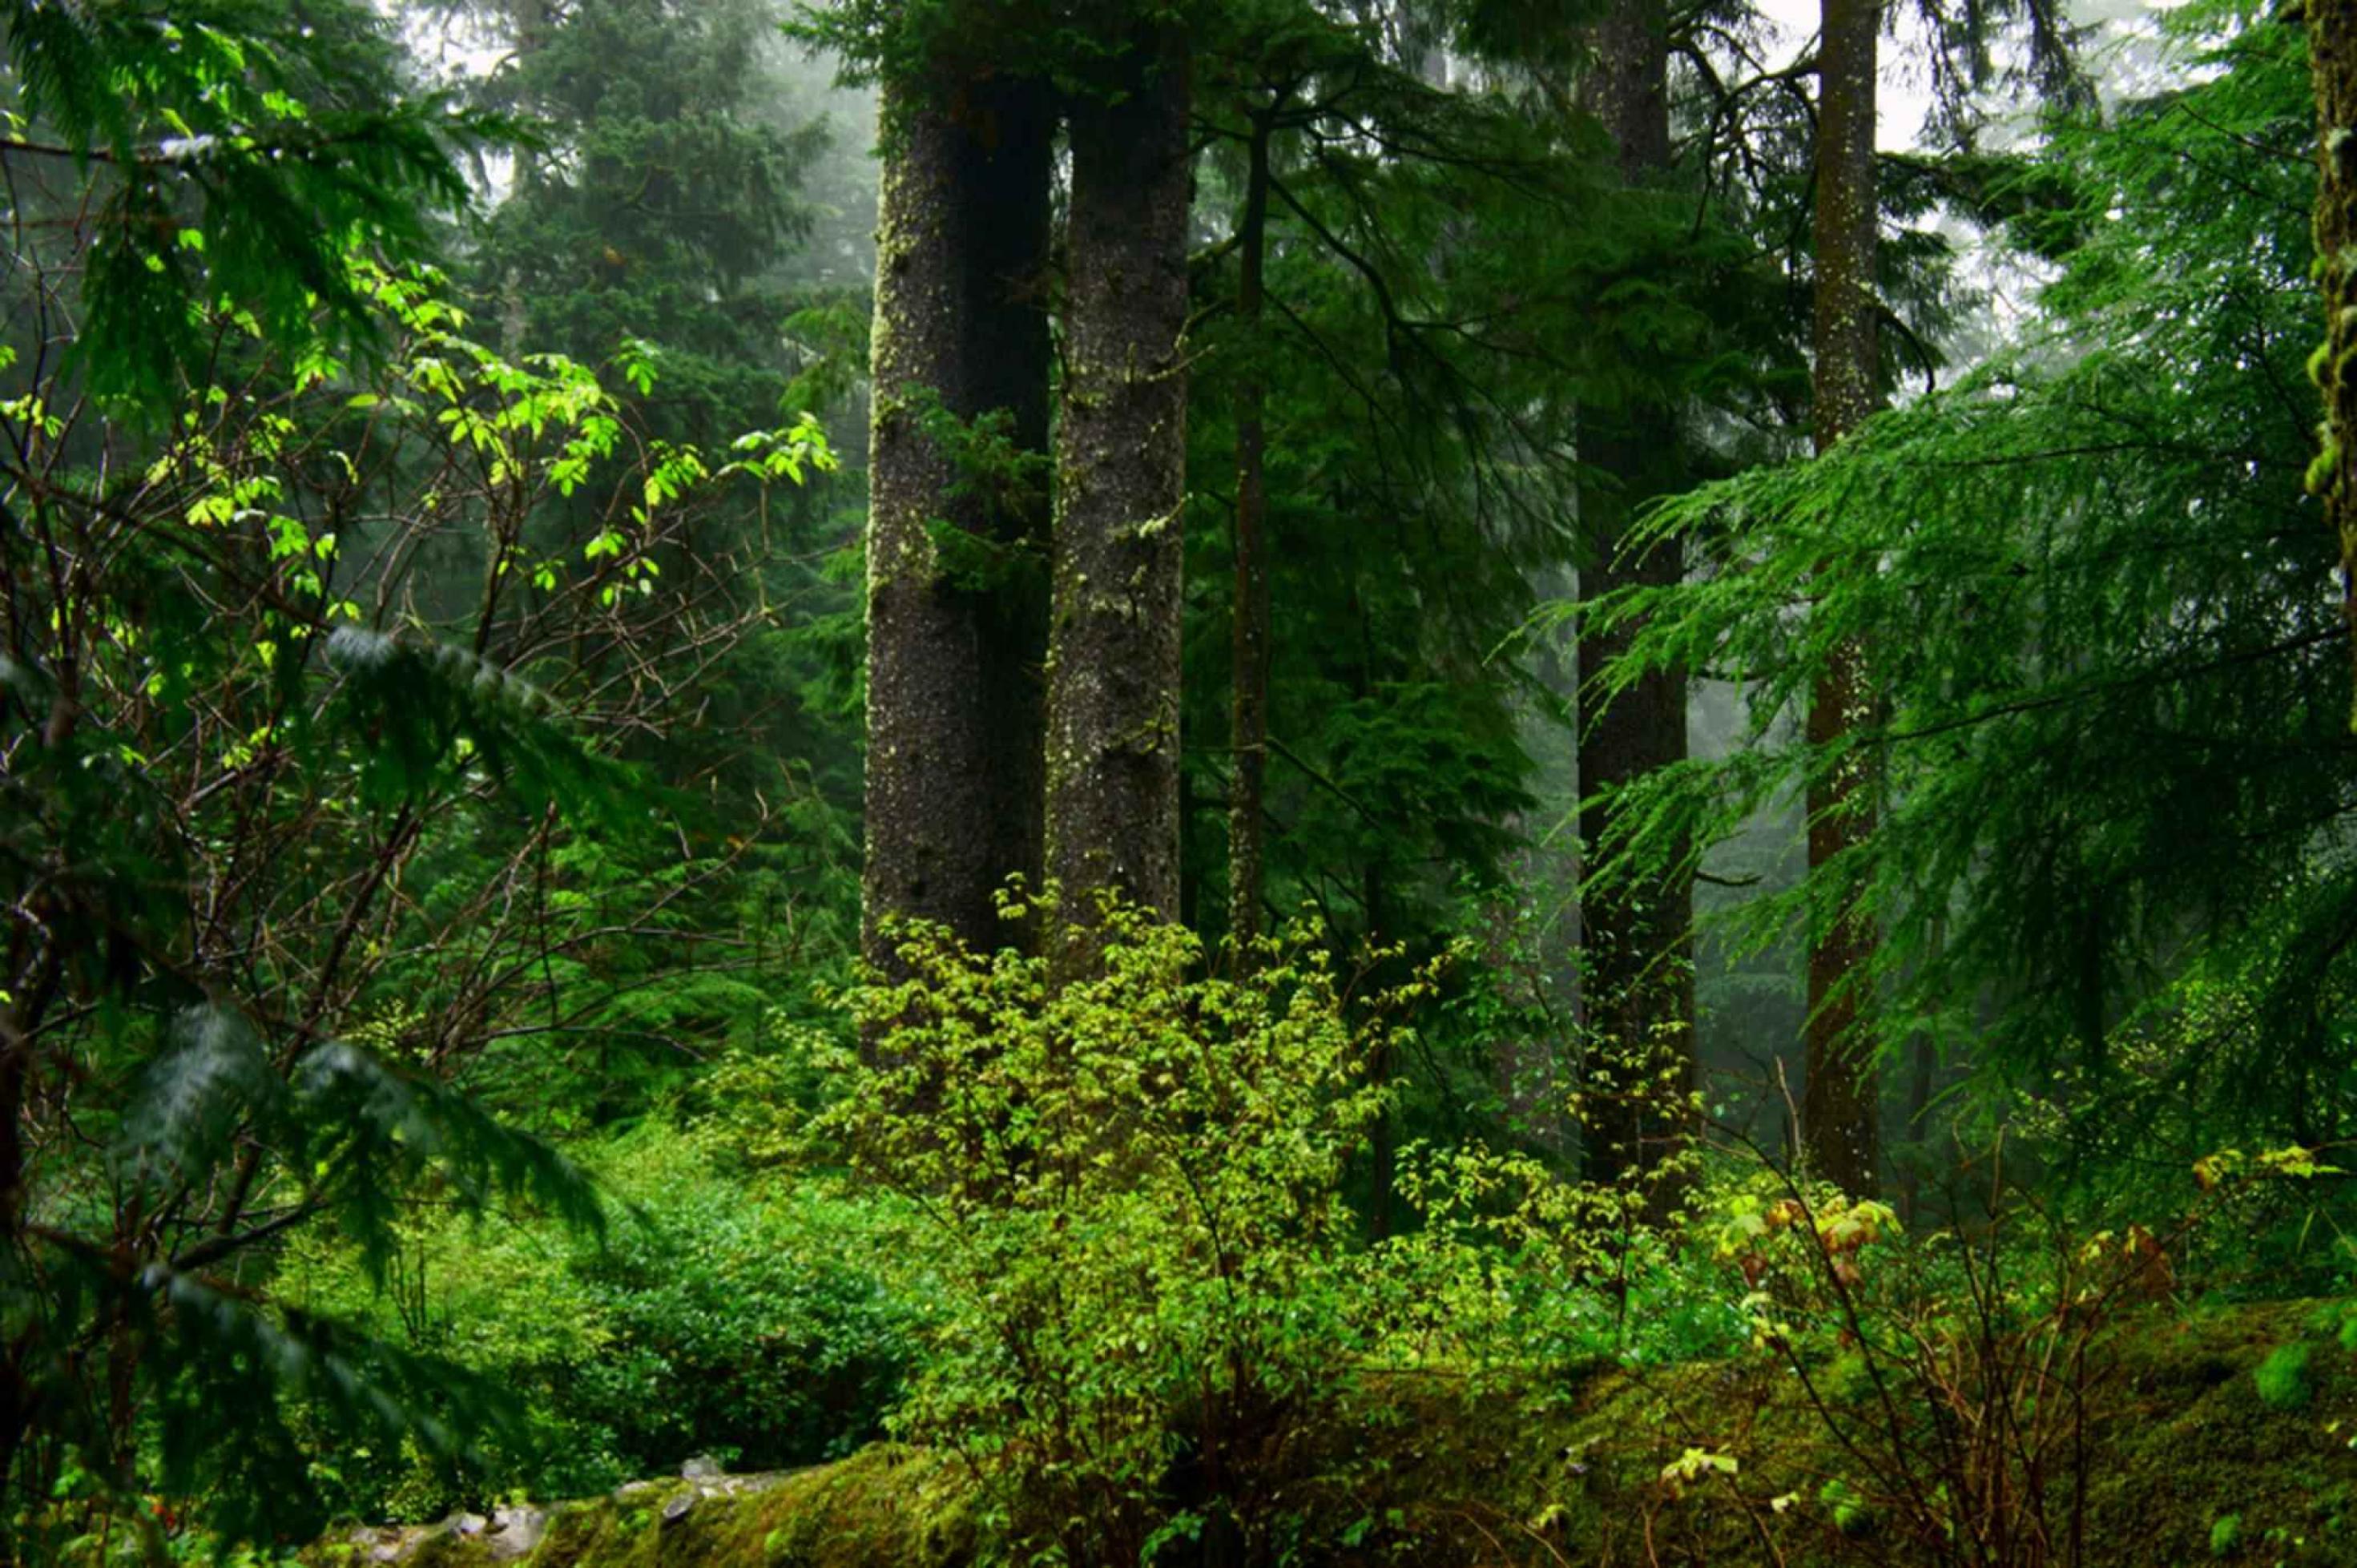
{"x": 1248, "y": 732}
{"x": 1113, "y": 671}
{"x": 1636, "y": 976}
{"x": 956, "y": 624}
{"x": 2332, "y": 56}
{"x": 1840, "y": 1109}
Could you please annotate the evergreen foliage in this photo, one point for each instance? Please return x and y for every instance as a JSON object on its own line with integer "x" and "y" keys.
{"x": 2106, "y": 685}
{"x": 260, "y": 704}
{"x": 232, "y": 153}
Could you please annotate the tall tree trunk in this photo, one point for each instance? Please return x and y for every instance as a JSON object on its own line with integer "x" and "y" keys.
{"x": 1113, "y": 668}
{"x": 1249, "y": 728}
{"x": 1841, "y": 1099}
{"x": 2332, "y": 55}
{"x": 1637, "y": 973}
{"x": 1383, "y": 1138}
{"x": 956, "y": 588}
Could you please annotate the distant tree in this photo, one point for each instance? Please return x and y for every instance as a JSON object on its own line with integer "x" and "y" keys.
{"x": 1249, "y": 636}
{"x": 2110, "y": 871}
{"x": 1636, "y": 973}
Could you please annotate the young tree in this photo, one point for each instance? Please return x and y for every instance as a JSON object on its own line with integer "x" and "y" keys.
{"x": 1113, "y": 669}
{"x": 310, "y": 795}
{"x": 2111, "y": 724}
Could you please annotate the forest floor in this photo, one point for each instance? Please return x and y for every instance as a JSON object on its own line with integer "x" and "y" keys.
{"x": 2226, "y": 1434}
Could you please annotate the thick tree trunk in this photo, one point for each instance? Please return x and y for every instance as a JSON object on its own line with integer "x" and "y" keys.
{"x": 2332, "y": 54}
{"x": 956, "y": 584}
{"x": 1249, "y": 728}
{"x": 1636, "y": 988}
{"x": 1841, "y": 1099}
{"x": 1113, "y": 669}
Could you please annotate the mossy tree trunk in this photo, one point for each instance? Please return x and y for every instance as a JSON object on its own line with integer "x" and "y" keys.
{"x": 957, "y": 494}
{"x": 2332, "y": 56}
{"x": 1113, "y": 669}
{"x": 1841, "y": 1100}
{"x": 1249, "y": 728}
{"x": 1637, "y": 990}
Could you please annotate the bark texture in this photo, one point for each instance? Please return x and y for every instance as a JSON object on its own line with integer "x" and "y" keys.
{"x": 1841, "y": 1102}
{"x": 1249, "y": 719}
{"x": 1637, "y": 984}
{"x": 956, "y": 586}
{"x": 2332, "y": 55}
{"x": 1113, "y": 669}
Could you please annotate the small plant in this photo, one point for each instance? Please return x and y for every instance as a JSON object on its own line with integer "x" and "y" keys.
{"x": 2226, "y": 1535}
{"x": 2282, "y": 1377}
{"x": 1851, "y": 1513}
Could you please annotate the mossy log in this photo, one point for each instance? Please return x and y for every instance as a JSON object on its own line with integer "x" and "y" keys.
{"x": 885, "y": 1508}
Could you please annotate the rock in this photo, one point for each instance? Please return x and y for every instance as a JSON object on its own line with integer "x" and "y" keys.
{"x": 385, "y": 1543}
{"x": 679, "y": 1507}
{"x": 515, "y": 1532}
{"x": 703, "y": 1468}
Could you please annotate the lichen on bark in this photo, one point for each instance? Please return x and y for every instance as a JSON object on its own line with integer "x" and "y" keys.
{"x": 1112, "y": 672}
{"x": 955, "y": 699}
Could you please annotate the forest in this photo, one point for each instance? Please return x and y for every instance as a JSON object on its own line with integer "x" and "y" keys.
{"x": 1137, "y": 783}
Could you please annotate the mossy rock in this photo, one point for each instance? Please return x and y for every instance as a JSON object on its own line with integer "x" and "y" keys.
{"x": 884, "y": 1507}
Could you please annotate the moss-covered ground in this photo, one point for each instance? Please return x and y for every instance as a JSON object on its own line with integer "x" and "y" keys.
{"x": 2191, "y": 1455}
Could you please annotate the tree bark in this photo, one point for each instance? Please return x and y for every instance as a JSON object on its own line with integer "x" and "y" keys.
{"x": 1637, "y": 985}
{"x": 1841, "y": 1097}
{"x": 1249, "y": 726}
{"x": 956, "y": 588}
{"x": 1113, "y": 668}
{"x": 2332, "y": 56}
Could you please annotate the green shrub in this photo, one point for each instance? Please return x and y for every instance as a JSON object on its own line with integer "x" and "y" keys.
{"x": 1158, "y": 1321}
{"x": 744, "y": 1326}
{"x": 2226, "y": 1535}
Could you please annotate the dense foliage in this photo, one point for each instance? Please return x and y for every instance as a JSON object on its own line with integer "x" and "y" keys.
{"x": 2107, "y": 688}
{"x": 437, "y": 1062}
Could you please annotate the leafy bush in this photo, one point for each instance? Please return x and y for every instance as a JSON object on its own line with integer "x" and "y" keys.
{"x": 711, "y": 1321}
{"x": 1153, "y": 1303}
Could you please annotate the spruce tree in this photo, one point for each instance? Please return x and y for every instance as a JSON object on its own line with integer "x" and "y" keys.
{"x": 1840, "y": 1109}
{"x": 1636, "y": 973}
{"x": 1248, "y": 710}
{"x": 956, "y": 602}
{"x": 1113, "y": 668}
